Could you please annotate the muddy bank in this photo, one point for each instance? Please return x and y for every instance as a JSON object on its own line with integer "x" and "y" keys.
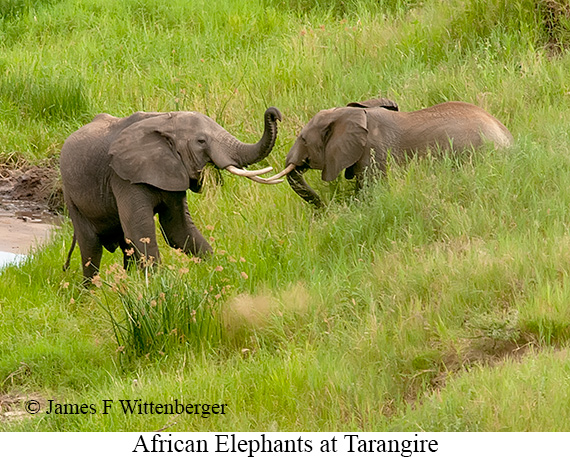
{"x": 29, "y": 203}
{"x": 19, "y": 236}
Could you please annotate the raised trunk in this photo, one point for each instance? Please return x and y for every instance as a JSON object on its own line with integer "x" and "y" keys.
{"x": 300, "y": 186}
{"x": 246, "y": 154}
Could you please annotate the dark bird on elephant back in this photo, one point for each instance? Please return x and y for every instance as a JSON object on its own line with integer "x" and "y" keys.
{"x": 118, "y": 172}
{"x": 359, "y": 137}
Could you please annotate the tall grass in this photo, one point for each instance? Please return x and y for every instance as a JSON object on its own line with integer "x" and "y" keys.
{"x": 434, "y": 300}
{"x": 16, "y": 8}
{"x": 50, "y": 99}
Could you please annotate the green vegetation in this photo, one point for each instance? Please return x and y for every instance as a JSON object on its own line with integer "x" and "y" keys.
{"x": 436, "y": 300}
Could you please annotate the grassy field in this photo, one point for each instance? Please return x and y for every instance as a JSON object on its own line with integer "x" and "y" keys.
{"x": 437, "y": 300}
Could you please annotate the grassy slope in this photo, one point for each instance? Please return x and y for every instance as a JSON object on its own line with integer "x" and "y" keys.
{"x": 438, "y": 302}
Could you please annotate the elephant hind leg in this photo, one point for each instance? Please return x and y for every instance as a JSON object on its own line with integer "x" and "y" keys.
{"x": 179, "y": 230}
{"x": 89, "y": 244}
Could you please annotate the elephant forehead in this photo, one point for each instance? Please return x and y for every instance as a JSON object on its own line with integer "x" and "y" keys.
{"x": 189, "y": 116}
{"x": 189, "y": 123}
{"x": 185, "y": 114}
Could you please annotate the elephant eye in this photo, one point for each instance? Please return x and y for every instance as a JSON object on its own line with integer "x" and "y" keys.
{"x": 201, "y": 141}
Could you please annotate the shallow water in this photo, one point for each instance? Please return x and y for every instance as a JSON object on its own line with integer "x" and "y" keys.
{"x": 9, "y": 258}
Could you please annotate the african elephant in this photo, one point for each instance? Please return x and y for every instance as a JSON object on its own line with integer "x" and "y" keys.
{"x": 118, "y": 172}
{"x": 360, "y": 136}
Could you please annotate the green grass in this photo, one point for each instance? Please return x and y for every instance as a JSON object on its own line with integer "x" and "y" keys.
{"x": 435, "y": 300}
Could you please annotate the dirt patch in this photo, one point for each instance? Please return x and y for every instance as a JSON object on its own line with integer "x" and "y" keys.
{"x": 454, "y": 360}
{"x": 17, "y": 407}
{"x": 31, "y": 188}
{"x": 482, "y": 351}
{"x": 30, "y": 200}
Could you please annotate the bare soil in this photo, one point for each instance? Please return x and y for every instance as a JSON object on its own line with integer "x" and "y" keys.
{"x": 30, "y": 199}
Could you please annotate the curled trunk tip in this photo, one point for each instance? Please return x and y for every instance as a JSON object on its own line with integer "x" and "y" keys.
{"x": 272, "y": 114}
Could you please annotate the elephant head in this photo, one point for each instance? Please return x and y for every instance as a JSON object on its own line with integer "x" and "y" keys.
{"x": 333, "y": 140}
{"x": 169, "y": 150}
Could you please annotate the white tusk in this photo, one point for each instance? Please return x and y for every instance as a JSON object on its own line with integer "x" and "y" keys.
{"x": 247, "y": 173}
{"x": 286, "y": 171}
{"x": 265, "y": 180}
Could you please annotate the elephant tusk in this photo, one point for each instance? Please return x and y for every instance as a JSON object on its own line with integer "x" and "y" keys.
{"x": 247, "y": 173}
{"x": 265, "y": 180}
{"x": 286, "y": 171}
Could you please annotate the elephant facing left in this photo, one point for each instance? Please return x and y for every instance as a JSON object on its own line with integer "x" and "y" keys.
{"x": 117, "y": 173}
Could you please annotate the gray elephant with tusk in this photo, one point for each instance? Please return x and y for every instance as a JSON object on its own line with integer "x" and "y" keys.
{"x": 360, "y": 136}
{"x": 118, "y": 172}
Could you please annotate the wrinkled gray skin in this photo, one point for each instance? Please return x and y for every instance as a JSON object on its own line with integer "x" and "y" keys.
{"x": 118, "y": 172}
{"x": 360, "y": 136}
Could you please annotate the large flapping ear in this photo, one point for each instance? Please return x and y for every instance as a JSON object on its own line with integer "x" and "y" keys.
{"x": 346, "y": 142}
{"x": 145, "y": 152}
{"x": 376, "y": 103}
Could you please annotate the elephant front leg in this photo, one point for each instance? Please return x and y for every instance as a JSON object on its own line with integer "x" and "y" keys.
{"x": 179, "y": 229}
{"x": 140, "y": 239}
{"x": 128, "y": 251}
{"x": 369, "y": 169}
{"x": 137, "y": 221}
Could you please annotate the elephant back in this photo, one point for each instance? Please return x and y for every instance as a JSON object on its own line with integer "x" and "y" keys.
{"x": 376, "y": 103}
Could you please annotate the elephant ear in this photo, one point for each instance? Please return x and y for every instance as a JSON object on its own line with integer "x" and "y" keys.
{"x": 146, "y": 152}
{"x": 376, "y": 103}
{"x": 346, "y": 142}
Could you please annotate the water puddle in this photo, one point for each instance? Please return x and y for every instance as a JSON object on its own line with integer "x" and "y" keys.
{"x": 9, "y": 258}
{"x": 25, "y": 219}
{"x": 21, "y": 235}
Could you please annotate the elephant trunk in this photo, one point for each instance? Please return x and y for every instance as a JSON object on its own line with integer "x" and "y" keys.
{"x": 299, "y": 185}
{"x": 244, "y": 154}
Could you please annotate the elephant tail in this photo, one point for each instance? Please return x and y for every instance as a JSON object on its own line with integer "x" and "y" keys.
{"x": 73, "y": 243}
